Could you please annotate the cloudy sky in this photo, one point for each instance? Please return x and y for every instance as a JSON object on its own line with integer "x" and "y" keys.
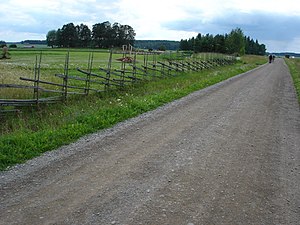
{"x": 275, "y": 23}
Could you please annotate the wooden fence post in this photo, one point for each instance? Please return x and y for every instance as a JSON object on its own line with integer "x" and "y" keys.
{"x": 123, "y": 66}
{"x": 88, "y": 75}
{"x": 134, "y": 67}
{"x": 145, "y": 64}
{"x": 107, "y": 83}
{"x": 65, "y": 78}
{"x": 37, "y": 74}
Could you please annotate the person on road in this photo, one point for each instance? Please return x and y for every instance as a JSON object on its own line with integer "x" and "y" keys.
{"x": 270, "y": 58}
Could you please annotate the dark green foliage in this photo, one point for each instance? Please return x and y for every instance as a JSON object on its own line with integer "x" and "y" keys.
{"x": 69, "y": 35}
{"x": 102, "y": 35}
{"x": 2, "y": 44}
{"x": 156, "y": 44}
{"x": 84, "y": 35}
{"x": 34, "y": 42}
{"x": 106, "y": 36}
{"x": 51, "y": 38}
{"x": 233, "y": 43}
{"x": 162, "y": 48}
{"x": 253, "y": 47}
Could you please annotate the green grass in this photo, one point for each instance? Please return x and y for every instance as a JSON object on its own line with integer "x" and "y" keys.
{"x": 294, "y": 66}
{"x": 22, "y": 63}
{"x": 33, "y": 132}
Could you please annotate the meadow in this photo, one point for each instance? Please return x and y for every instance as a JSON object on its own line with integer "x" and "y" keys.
{"x": 22, "y": 64}
{"x": 32, "y": 132}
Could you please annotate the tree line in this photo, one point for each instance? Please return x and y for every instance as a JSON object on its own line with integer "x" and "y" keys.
{"x": 233, "y": 43}
{"x": 102, "y": 35}
{"x": 157, "y": 44}
{"x": 34, "y": 42}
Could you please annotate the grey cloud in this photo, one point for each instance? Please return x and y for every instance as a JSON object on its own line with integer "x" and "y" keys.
{"x": 36, "y": 21}
{"x": 257, "y": 25}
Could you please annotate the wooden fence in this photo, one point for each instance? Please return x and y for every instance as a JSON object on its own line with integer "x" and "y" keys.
{"x": 93, "y": 79}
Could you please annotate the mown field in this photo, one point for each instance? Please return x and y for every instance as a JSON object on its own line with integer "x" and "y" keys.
{"x": 32, "y": 132}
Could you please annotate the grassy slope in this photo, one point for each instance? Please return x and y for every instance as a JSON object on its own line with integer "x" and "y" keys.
{"x": 31, "y": 133}
{"x": 294, "y": 66}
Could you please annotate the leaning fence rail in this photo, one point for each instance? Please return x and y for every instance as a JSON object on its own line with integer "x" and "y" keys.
{"x": 103, "y": 79}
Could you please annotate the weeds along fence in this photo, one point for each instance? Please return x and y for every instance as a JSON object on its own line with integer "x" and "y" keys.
{"x": 132, "y": 67}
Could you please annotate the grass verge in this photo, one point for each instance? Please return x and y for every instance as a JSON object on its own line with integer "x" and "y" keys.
{"x": 294, "y": 66}
{"x": 36, "y": 131}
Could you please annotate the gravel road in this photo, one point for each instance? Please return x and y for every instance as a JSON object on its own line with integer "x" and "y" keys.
{"x": 228, "y": 154}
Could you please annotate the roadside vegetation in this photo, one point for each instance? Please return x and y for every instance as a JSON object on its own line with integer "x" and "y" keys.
{"x": 294, "y": 66}
{"x": 32, "y": 132}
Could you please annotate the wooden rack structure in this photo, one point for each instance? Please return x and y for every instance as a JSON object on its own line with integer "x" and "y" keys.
{"x": 92, "y": 79}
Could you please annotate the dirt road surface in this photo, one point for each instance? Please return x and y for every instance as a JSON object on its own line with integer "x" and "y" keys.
{"x": 228, "y": 154}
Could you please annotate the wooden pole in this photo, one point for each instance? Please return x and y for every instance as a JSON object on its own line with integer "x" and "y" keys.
{"x": 134, "y": 67}
{"x": 88, "y": 75}
{"x": 37, "y": 75}
{"x": 65, "y": 78}
{"x": 107, "y": 84}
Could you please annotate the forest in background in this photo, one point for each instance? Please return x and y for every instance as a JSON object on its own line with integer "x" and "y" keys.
{"x": 102, "y": 35}
{"x": 233, "y": 43}
{"x": 106, "y": 35}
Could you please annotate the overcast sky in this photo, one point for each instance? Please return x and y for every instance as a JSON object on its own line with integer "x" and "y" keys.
{"x": 275, "y": 23}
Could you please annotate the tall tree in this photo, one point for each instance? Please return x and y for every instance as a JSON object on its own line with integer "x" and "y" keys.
{"x": 235, "y": 42}
{"x": 262, "y": 49}
{"x": 197, "y": 43}
{"x": 84, "y": 35}
{"x": 248, "y": 45}
{"x": 129, "y": 34}
{"x": 101, "y": 34}
{"x": 59, "y": 40}
{"x": 184, "y": 45}
{"x": 115, "y": 35}
{"x": 51, "y": 38}
{"x": 207, "y": 43}
{"x": 123, "y": 34}
{"x": 253, "y": 47}
{"x": 69, "y": 35}
{"x": 219, "y": 43}
{"x": 2, "y": 43}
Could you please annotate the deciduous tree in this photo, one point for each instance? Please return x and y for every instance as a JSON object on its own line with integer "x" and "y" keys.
{"x": 51, "y": 38}
{"x": 69, "y": 35}
{"x": 84, "y": 35}
{"x": 235, "y": 42}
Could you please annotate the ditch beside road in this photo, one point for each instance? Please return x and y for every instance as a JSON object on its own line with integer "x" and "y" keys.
{"x": 228, "y": 154}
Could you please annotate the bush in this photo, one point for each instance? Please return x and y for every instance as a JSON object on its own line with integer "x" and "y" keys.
{"x": 162, "y": 48}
